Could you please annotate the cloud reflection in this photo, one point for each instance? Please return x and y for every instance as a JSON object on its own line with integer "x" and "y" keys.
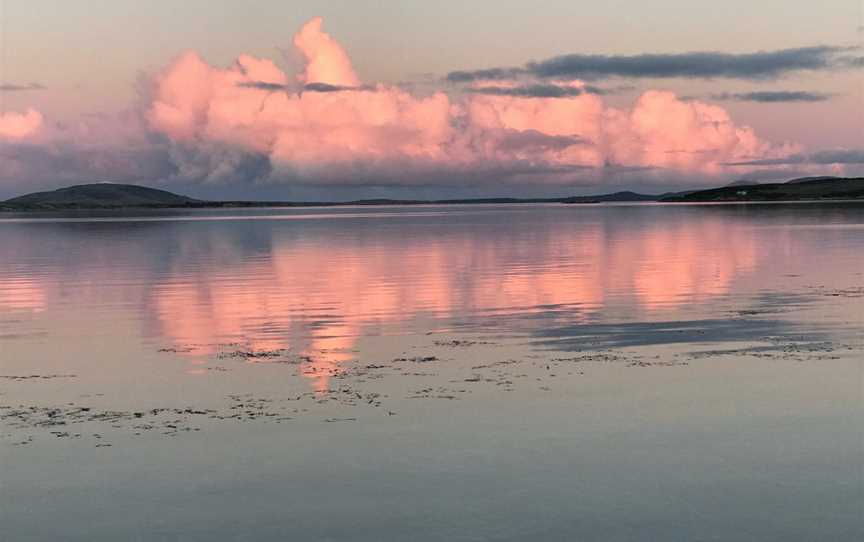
{"x": 317, "y": 295}
{"x": 316, "y": 286}
{"x": 23, "y": 294}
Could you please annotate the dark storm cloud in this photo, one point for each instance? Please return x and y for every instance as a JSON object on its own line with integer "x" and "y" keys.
{"x": 694, "y": 65}
{"x": 772, "y": 96}
{"x": 537, "y": 91}
{"x": 837, "y": 156}
{"x": 12, "y": 87}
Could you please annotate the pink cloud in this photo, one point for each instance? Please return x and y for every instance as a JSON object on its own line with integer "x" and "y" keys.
{"x": 327, "y": 60}
{"x": 301, "y": 132}
{"x": 362, "y": 132}
{"x": 17, "y": 126}
{"x": 663, "y": 131}
{"x": 324, "y": 126}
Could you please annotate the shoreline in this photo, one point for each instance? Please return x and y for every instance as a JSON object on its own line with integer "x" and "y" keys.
{"x": 431, "y": 203}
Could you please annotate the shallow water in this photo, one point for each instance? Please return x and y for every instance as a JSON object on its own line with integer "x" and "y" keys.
{"x": 542, "y": 372}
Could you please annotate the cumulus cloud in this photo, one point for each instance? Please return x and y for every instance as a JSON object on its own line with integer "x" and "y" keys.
{"x": 705, "y": 65}
{"x": 335, "y": 129}
{"x": 772, "y": 96}
{"x": 319, "y": 134}
{"x": 252, "y": 122}
{"x": 94, "y": 147}
{"x": 326, "y": 61}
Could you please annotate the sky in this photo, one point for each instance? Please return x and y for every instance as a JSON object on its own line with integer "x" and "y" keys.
{"x": 321, "y": 99}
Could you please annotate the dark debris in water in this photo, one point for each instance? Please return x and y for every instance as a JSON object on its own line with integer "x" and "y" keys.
{"x": 783, "y": 350}
{"x": 663, "y": 363}
{"x": 457, "y": 343}
{"x": 36, "y": 377}
{"x": 418, "y": 359}
{"x": 351, "y": 394}
{"x": 254, "y": 354}
{"x": 853, "y": 292}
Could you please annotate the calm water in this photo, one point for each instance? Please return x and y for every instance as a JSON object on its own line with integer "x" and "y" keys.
{"x": 530, "y": 372}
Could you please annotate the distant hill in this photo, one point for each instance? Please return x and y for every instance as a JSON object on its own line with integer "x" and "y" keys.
{"x": 100, "y": 195}
{"x": 614, "y": 197}
{"x": 811, "y": 179}
{"x": 802, "y": 189}
{"x": 743, "y": 182}
{"x": 113, "y": 196}
{"x": 119, "y": 196}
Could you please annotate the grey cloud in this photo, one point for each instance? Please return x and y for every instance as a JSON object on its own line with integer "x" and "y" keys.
{"x": 479, "y": 75}
{"x": 263, "y": 85}
{"x": 833, "y": 156}
{"x": 852, "y": 61}
{"x": 325, "y": 87}
{"x": 610, "y": 167}
{"x": 309, "y": 87}
{"x": 537, "y": 91}
{"x": 213, "y": 163}
{"x": 532, "y": 140}
{"x": 693, "y": 65}
{"x": 773, "y": 96}
{"x": 12, "y": 87}
{"x": 759, "y": 65}
{"x": 70, "y": 162}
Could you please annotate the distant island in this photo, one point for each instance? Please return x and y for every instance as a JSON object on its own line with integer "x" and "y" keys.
{"x": 125, "y": 196}
{"x": 100, "y": 195}
{"x": 806, "y": 188}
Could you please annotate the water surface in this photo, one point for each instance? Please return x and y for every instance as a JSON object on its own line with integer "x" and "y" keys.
{"x": 543, "y": 372}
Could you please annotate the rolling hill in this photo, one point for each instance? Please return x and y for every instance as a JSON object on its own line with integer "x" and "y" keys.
{"x": 100, "y": 195}
{"x": 818, "y": 188}
{"x": 120, "y": 196}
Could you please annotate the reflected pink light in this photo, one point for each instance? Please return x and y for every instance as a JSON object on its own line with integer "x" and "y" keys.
{"x": 358, "y": 292}
{"x": 22, "y": 294}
